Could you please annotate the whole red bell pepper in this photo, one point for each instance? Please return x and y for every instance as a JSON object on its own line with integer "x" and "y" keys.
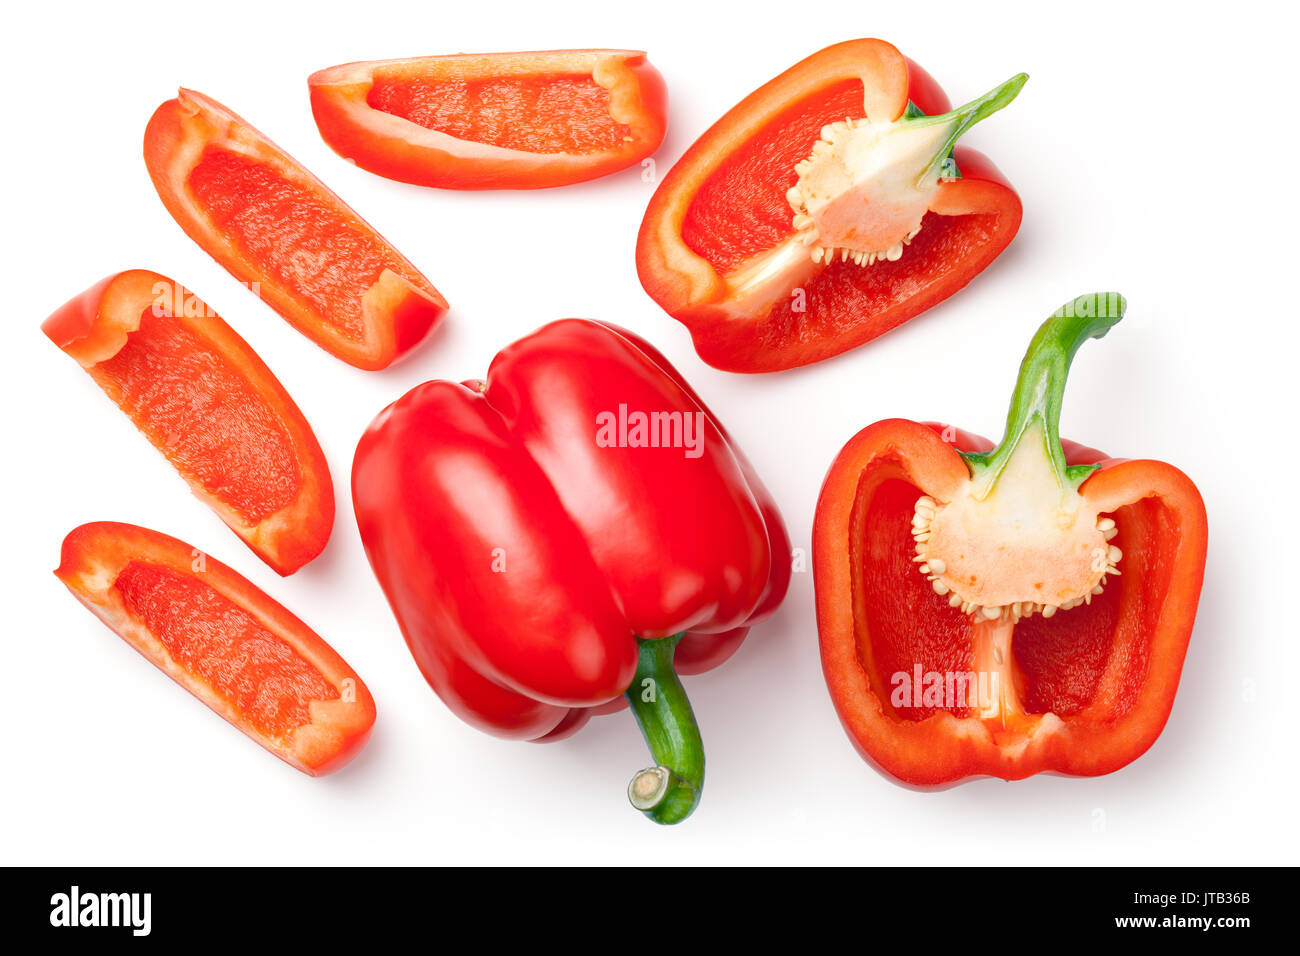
{"x": 564, "y": 535}
{"x": 225, "y": 641}
{"x": 493, "y": 120}
{"x": 203, "y": 398}
{"x": 1006, "y": 610}
{"x": 277, "y": 228}
{"x": 823, "y": 210}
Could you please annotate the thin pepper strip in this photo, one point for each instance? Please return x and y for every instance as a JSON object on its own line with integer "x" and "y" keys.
{"x": 494, "y": 120}
{"x": 203, "y": 398}
{"x": 277, "y": 228}
{"x": 226, "y": 642}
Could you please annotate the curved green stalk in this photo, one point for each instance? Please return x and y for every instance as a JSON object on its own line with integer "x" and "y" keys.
{"x": 1041, "y": 384}
{"x": 668, "y": 791}
{"x": 964, "y": 117}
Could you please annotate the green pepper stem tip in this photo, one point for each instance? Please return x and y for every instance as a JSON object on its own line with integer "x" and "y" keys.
{"x": 669, "y": 791}
{"x": 1040, "y": 385}
{"x": 965, "y": 116}
{"x": 648, "y": 788}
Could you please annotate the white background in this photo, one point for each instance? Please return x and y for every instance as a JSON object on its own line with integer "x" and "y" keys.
{"x": 1153, "y": 150}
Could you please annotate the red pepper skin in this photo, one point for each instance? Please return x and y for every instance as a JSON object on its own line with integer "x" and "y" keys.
{"x": 495, "y": 120}
{"x": 274, "y": 226}
{"x": 226, "y": 642}
{"x": 1123, "y": 654}
{"x": 204, "y": 399}
{"x": 521, "y": 557}
{"x": 722, "y": 206}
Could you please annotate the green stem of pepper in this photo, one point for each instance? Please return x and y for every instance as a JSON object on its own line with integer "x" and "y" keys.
{"x": 962, "y": 119}
{"x": 669, "y": 791}
{"x": 1041, "y": 385}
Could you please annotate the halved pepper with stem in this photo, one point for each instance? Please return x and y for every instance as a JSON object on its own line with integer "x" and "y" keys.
{"x": 277, "y": 228}
{"x": 567, "y": 536}
{"x": 1006, "y": 610}
{"x": 203, "y": 398}
{"x": 493, "y": 120}
{"x": 225, "y": 641}
{"x": 824, "y": 209}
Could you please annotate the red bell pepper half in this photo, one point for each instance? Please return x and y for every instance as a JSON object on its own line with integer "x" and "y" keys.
{"x": 276, "y": 227}
{"x": 205, "y": 400}
{"x": 227, "y": 643}
{"x": 823, "y": 210}
{"x": 1012, "y": 610}
{"x": 572, "y": 531}
{"x": 494, "y": 120}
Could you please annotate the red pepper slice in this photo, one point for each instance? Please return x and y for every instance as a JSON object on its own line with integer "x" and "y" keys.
{"x": 553, "y": 537}
{"x": 719, "y": 249}
{"x": 1005, "y": 611}
{"x": 494, "y": 120}
{"x": 205, "y": 400}
{"x": 230, "y": 645}
{"x": 276, "y": 227}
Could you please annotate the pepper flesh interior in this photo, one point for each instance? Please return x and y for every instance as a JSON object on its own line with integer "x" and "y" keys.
{"x": 1026, "y": 544}
{"x": 865, "y": 188}
{"x": 221, "y": 643}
